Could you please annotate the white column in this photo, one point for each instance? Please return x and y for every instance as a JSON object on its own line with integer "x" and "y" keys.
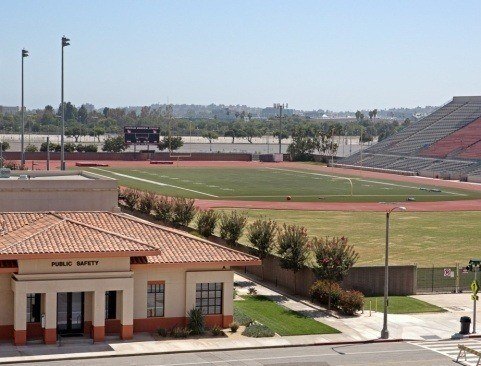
{"x": 98, "y": 316}
{"x": 51, "y": 310}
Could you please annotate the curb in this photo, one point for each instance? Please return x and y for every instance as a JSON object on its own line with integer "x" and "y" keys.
{"x": 35, "y": 359}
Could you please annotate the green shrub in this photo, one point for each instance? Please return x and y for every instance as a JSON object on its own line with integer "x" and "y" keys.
{"x": 163, "y": 208}
{"x": 131, "y": 197}
{"x": 146, "y": 202}
{"x": 162, "y": 332}
{"x": 231, "y": 226}
{"x": 216, "y": 331}
{"x": 69, "y": 147}
{"x": 180, "y": 332}
{"x": 233, "y": 327}
{"x": 252, "y": 291}
{"x": 241, "y": 318}
{"x": 31, "y": 148}
{"x": 256, "y": 330}
{"x": 196, "y": 321}
{"x": 183, "y": 210}
{"x": 206, "y": 222}
{"x": 320, "y": 290}
{"x": 91, "y": 148}
{"x": 52, "y": 146}
{"x": 351, "y": 302}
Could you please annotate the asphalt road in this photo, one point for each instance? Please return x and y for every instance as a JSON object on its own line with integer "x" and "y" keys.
{"x": 390, "y": 354}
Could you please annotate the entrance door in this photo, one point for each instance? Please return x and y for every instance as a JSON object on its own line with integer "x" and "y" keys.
{"x": 70, "y": 310}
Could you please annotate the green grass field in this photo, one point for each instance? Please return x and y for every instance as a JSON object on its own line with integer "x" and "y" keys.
{"x": 401, "y": 305}
{"x": 281, "y": 320}
{"x": 273, "y": 184}
{"x": 425, "y": 238}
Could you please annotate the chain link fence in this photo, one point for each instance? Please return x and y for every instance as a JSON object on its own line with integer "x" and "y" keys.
{"x": 444, "y": 279}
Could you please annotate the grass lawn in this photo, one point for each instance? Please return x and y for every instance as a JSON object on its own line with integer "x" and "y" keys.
{"x": 401, "y": 305}
{"x": 272, "y": 184}
{"x": 281, "y": 320}
{"x": 425, "y": 238}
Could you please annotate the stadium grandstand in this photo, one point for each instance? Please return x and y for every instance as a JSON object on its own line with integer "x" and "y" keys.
{"x": 445, "y": 144}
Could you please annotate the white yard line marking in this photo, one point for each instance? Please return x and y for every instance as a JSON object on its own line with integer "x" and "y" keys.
{"x": 156, "y": 183}
{"x": 359, "y": 180}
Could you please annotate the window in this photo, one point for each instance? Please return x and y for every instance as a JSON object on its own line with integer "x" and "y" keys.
{"x": 111, "y": 305}
{"x": 155, "y": 299}
{"x": 208, "y": 297}
{"x": 33, "y": 308}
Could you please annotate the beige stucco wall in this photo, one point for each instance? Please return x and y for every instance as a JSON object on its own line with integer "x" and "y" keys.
{"x": 6, "y": 300}
{"x": 86, "y": 265}
{"x": 58, "y": 195}
{"x": 179, "y": 288}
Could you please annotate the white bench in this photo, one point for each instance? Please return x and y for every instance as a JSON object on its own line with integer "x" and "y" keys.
{"x": 463, "y": 351}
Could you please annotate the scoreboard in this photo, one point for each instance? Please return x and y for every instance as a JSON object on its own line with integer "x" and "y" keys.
{"x": 141, "y": 135}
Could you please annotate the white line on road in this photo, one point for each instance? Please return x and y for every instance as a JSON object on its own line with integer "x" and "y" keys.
{"x": 292, "y": 357}
{"x": 155, "y": 182}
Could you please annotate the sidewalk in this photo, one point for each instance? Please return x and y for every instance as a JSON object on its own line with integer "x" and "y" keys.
{"x": 425, "y": 326}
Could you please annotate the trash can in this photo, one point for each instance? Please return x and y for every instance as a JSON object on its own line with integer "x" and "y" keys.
{"x": 465, "y": 324}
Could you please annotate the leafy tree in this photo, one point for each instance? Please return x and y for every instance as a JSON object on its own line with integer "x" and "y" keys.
{"x": 251, "y": 131}
{"x": 82, "y": 114}
{"x": 262, "y": 235}
{"x": 302, "y": 148}
{"x": 231, "y": 226}
{"x": 75, "y": 130}
{"x": 171, "y": 143}
{"x": 334, "y": 258}
{"x": 105, "y": 112}
{"x": 206, "y": 222}
{"x": 210, "y": 135}
{"x": 114, "y": 144}
{"x": 293, "y": 247}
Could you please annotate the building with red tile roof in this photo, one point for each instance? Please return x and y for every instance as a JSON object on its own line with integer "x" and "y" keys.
{"x": 98, "y": 272}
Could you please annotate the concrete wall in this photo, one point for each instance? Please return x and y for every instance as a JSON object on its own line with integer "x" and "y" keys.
{"x": 129, "y": 156}
{"x": 58, "y": 195}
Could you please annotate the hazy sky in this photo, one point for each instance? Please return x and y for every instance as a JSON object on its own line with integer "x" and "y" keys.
{"x": 336, "y": 54}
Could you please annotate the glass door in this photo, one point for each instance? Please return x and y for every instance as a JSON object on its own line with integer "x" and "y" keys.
{"x": 70, "y": 306}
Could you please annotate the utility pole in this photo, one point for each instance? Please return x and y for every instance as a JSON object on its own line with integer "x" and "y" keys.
{"x": 281, "y": 107}
{"x": 65, "y": 43}
{"x": 385, "y": 331}
{"x": 22, "y": 141}
{"x": 474, "y": 265}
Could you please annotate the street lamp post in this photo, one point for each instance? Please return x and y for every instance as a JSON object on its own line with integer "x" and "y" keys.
{"x": 65, "y": 43}
{"x": 22, "y": 140}
{"x": 281, "y": 107}
{"x": 384, "y": 331}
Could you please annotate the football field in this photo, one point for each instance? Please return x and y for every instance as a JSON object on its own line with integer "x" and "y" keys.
{"x": 267, "y": 183}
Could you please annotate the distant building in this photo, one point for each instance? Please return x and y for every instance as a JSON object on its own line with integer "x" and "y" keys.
{"x": 8, "y": 110}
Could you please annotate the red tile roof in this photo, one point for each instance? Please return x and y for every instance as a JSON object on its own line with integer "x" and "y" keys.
{"x": 106, "y": 232}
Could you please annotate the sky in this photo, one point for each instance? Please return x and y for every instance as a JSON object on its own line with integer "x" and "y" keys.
{"x": 337, "y": 55}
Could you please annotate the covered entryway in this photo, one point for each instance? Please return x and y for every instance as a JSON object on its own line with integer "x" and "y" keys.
{"x": 70, "y": 313}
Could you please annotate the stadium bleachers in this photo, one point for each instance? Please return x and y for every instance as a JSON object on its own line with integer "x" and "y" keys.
{"x": 446, "y": 141}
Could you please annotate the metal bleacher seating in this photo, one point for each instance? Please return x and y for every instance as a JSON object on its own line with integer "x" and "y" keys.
{"x": 446, "y": 141}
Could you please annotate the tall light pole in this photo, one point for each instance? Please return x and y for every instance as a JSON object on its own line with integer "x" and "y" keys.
{"x": 65, "y": 43}
{"x": 281, "y": 107}
{"x": 22, "y": 141}
{"x": 384, "y": 331}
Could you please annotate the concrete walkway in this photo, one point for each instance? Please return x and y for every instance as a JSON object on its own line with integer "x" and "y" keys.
{"x": 364, "y": 327}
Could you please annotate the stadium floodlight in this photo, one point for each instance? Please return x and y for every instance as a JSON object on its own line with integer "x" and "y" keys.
{"x": 384, "y": 331}
{"x": 22, "y": 140}
{"x": 65, "y": 43}
{"x": 281, "y": 107}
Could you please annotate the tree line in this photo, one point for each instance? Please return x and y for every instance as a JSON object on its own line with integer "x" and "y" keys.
{"x": 80, "y": 122}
